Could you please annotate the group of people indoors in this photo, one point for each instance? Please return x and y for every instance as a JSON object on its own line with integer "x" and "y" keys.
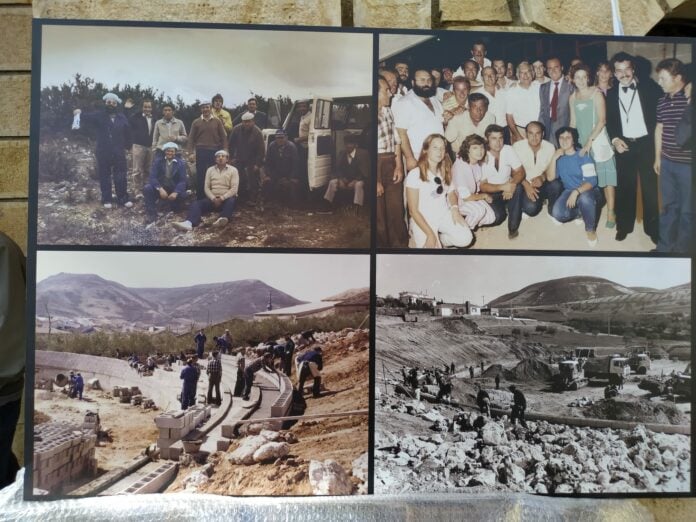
{"x": 472, "y": 148}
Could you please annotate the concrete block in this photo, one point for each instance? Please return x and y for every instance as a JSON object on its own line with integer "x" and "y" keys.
{"x": 169, "y": 420}
{"x": 286, "y": 12}
{"x": 410, "y": 14}
{"x": 15, "y": 38}
{"x": 475, "y": 11}
{"x": 15, "y": 177}
{"x": 228, "y": 431}
{"x": 223, "y": 444}
{"x": 164, "y": 433}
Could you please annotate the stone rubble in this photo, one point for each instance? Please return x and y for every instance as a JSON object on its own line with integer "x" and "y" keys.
{"x": 544, "y": 459}
{"x": 329, "y": 478}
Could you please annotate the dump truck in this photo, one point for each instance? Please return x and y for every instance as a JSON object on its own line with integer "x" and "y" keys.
{"x": 639, "y": 363}
{"x": 570, "y": 376}
{"x": 613, "y": 368}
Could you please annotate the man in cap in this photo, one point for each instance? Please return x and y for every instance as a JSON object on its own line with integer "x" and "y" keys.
{"x": 167, "y": 182}
{"x": 264, "y": 362}
{"x": 113, "y": 139}
{"x": 247, "y": 151}
{"x": 260, "y": 118}
{"x": 352, "y": 171}
{"x": 281, "y": 173}
{"x": 168, "y": 129}
{"x": 221, "y": 114}
{"x": 310, "y": 363}
{"x": 220, "y": 188}
{"x": 207, "y": 136}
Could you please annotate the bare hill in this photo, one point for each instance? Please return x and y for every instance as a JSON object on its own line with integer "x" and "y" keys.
{"x": 564, "y": 290}
{"x": 353, "y": 293}
{"x": 91, "y": 296}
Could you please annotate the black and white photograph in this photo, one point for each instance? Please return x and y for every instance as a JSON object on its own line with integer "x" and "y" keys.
{"x": 543, "y": 375}
{"x": 183, "y": 136}
{"x": 501, "y": 141}
{"x": 240, "y": 380}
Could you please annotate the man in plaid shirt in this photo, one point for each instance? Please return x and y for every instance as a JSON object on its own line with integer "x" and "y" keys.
{"x": 214, "y": 372}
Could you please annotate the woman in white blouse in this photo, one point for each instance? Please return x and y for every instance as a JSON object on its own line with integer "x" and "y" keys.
{"x": 434, "y": 218}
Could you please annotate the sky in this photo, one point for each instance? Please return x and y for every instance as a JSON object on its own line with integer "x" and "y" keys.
{"x": 481, "y": 279}
{"x": 308, "y": 277}
{"x": 197, "y": 63}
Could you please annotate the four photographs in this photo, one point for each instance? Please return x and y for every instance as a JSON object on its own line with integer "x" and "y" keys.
{"x": 190, "y": 333}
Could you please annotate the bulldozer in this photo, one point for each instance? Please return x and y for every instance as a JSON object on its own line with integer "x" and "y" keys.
{"x": 570, "y": 376}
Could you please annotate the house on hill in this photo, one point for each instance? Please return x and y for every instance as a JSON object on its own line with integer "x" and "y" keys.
{"x": 453, "y": 309}
{"x": 410, "y": 299}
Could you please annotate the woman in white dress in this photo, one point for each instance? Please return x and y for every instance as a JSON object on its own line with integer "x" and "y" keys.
{"x": 434, "y": 218}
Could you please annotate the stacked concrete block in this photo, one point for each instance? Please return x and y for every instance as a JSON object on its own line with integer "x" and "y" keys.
{"x": 62, "y": 453}
{"x": 283, "y": 402}
{"x": 91, "y": 422}
{"x": 136, "y": 400}
{"x": 154, "y": 481}
{"x": 175, "y": 425}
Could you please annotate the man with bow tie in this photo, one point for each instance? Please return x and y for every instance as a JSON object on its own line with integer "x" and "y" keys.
{"x": 631, "y": 119}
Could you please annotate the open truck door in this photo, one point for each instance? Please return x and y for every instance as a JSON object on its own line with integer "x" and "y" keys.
{"x": 320, "y": 144}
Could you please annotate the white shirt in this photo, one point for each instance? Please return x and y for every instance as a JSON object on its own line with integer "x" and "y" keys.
{"x": 460, "y": 71}
{"x": 305, "y": 124}
{"x": 413, "y": 115}
{"x": 496, "y": 104}
{"x": 432, "y": 206}
{"x": 632, "y": 120}
{"x": 538, "y": 82}
{"x": 509, "y": 161}
{"x": 523, "y": 104}
{"x": 534, "y": 166}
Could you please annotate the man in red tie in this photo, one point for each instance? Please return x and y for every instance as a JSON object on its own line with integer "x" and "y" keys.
{"x": 554, "y": 110}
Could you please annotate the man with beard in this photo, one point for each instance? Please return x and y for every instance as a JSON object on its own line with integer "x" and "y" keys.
{"x": 113, "y": 139}
{"x": 417, "y": 115}
{"x": 631, "y": 122}
{"x": 402, "y": 70}
{"x": 207, "y": 136}
{"x": 247, "y": 151}
{"x": 522, "y": 103}
{"x": 260, "y": 118}
{"x": 473, "y": 121}
{"x": 554, "y": 96}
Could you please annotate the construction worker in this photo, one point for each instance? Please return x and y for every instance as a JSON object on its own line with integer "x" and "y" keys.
{"x": 445, "y": 384}
{"x": 214, "y": 371}
{"x": 497, "y": 381}
{"x": 311, "y": 363}
{"x": 471, "y": 372}
{"x": 519, "y": 405}
{"x": 189, "y": 374}
{"x": 288, "y": 352}
{"x": 239, "y": 384}
{"x": 264, "y": 362}
{"x": 79, "y": 385}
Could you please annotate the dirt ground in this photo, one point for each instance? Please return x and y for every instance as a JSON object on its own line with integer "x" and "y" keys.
{"x": 69, "y": 213}
{"x": 131, "y": 428}
{"x": 344, "y": 439}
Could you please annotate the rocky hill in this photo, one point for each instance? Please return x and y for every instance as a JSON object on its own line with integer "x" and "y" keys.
{"x": 90, "y": 296}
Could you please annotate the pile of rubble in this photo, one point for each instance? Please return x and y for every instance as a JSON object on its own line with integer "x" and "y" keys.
{"x": 544, "y": 458}
{"x": 133, "y": 396}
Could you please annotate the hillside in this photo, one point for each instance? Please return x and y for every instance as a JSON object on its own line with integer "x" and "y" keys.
{"x": 90, "y": 296}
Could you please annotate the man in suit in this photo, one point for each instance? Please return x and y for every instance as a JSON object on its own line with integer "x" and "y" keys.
{"x": 554, "y": 111}
{"x": 142, "y": 125}
{"x": 631, "y": 119}
{"x": 352, "y": 172}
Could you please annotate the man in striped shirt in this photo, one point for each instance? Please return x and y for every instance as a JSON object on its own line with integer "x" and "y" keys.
{"x": 214, "y": 372}
{"x": 672, "y": 160}
{"x": 391, "y": 228}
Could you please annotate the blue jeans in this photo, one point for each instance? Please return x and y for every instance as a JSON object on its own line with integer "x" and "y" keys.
{"x": 204, "y": 206}
{"x": 510, "y": 208}
{"x": 152, "y": 197}
{"x": 549, "y": 190}
{"x": 675, "y": 219}
{"x": 585, "y": 206}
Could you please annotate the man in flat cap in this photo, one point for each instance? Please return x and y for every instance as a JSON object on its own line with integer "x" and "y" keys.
{"x": 352, "y": 172}
{"x": 167, "y": 182}
{"x": 247, "y": 151}
{"x": 281, "y": 175}
{"x": 260, "y": 118}
{"x": 113, "y": 139}
{"x": 207, "y": 136}
{"x": 221, "y": 184}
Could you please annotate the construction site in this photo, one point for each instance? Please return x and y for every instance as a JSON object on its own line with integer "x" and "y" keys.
{"x": 127, "y": 433}
{"x": 604, "y": 413}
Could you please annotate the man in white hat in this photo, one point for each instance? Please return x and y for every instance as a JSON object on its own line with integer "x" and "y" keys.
{"x": 113, "y": 139}
{"x": 247, "y": 152}
{"x": 221, "y": 184}
{"x": 167, "y": 182}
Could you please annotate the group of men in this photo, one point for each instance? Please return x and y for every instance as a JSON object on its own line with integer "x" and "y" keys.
{"x": 231, "y": 159}
{"x": 518, "y": 118}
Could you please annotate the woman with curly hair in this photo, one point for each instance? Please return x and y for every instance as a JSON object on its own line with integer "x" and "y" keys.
{"x": 473, "y": 204}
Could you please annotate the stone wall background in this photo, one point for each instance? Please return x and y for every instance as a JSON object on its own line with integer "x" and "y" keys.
{"x": 572, "y": 16}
